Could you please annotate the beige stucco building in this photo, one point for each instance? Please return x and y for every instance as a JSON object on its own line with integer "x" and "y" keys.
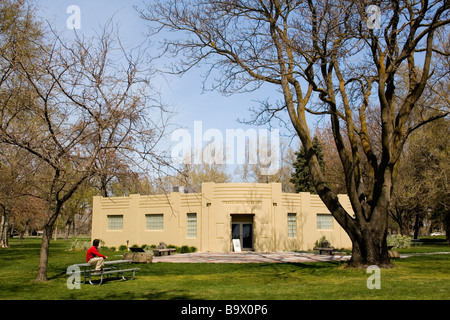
{"x": 260, "y": 215}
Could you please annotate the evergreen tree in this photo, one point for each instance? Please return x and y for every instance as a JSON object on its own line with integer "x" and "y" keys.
{"x": 301, "y": 177}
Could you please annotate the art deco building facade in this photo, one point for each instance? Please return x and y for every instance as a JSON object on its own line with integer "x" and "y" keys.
{"x": 260, "y": 215}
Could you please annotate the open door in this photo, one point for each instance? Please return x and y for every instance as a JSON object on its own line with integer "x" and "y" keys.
{"x": 242, "y": 229}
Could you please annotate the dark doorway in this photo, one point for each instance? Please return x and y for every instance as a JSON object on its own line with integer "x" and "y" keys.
{"x": 242, "y": 229}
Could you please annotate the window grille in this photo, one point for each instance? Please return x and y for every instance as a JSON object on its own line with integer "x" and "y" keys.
{"x": 154, "y": 221}
{"x": 192, "y": 225}
{"x": 292, "y": 225}
{"x": 324, "y": 221}
{"x": 115, "y": 222}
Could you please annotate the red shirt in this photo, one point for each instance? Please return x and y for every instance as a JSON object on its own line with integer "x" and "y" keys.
{"x": 92, "y": 253}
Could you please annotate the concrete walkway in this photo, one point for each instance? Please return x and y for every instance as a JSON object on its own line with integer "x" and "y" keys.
{"x": 261, "y": 257}
{"x": 249, "y": 257}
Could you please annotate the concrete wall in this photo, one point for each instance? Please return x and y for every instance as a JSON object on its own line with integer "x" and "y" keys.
{"x": 216, "y": 207}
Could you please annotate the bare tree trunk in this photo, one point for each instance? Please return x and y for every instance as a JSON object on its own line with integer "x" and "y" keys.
{"x": 447, "y": 226}
{"x": 371, "y": 247}
{"x": 5, "y": 229}
{"x": 417, "y": 224}
{"x": 45, "y": 244}
{"x": 43, "y": 257}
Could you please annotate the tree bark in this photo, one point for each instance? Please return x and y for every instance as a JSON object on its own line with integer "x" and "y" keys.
{"x": 371, "y": 247}
{"x": 447, "y": 227}
{"x": 43, "y": 257}
{"x": 45, "y": 244}
{"x": 5, "y": 228}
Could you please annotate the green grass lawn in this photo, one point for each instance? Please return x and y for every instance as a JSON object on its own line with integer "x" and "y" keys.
{"x": 418, "y": 277}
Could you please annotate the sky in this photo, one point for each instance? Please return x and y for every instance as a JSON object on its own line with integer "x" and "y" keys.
{"x": 185, "y": 93}
{"x": 182, "y": 94}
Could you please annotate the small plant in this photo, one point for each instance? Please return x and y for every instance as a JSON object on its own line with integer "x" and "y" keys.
{"x": 322, "y": 243}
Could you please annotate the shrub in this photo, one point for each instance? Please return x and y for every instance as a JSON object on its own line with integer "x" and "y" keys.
{"x": 399, "y": 241}
{"x": 184, "y": 249}
{"x": 78, "y": 245}
{"x": 322, "y": 243}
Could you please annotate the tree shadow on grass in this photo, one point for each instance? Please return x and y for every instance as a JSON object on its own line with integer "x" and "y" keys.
{"x": 156, "y": 295}
{"x": 282, "y": 270}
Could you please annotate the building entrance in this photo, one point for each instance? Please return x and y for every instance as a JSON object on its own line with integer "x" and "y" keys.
{"x": 242, "y": 229}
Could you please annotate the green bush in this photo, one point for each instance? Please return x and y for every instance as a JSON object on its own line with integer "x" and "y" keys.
{"x": 149, "y": 247}
{"x": 78, "y": 245}
{"x": 399, "y": 241}
{"x": 322, "y": 243}
{"x": 184, "y": 249}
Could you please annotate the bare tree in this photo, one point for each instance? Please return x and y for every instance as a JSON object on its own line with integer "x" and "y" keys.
{"x": 17, "y": 176}
{"x": 17, "y": 32}
{"x": 326, "y": 58}
{"x": 424, "y": 190}
{"x": 89, "y": 99}
{"x": 250, "y": 172}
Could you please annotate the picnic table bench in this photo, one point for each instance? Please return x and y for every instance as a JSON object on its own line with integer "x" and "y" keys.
{"x": 116, "y": 266}
{"x": 329, "y": 250}
{"x": 159, "y": 252}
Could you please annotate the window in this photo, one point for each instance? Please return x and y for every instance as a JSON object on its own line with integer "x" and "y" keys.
{"x": 324, "y": 221}
{"x": 192, "y": 225}
{"x": 154, "y": 221}
{"x": 292, "y": 225}
{"x": 115, "y": 222}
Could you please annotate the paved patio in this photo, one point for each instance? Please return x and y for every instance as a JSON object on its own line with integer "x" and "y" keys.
{"x": 249, "y": 257}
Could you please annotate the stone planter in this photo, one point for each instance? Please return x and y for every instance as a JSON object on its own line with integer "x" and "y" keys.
{"x": 138, "y": 257}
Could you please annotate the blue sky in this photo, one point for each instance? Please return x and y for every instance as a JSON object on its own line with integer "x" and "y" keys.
{"x": 184, "y": 94}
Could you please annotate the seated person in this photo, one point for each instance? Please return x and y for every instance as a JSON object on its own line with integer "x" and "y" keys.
{"x": 95, "y": 257}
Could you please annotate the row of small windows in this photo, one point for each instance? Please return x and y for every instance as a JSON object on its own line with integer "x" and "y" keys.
{"x": 324, "y": 221}
{"x": 156, "y": 222}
